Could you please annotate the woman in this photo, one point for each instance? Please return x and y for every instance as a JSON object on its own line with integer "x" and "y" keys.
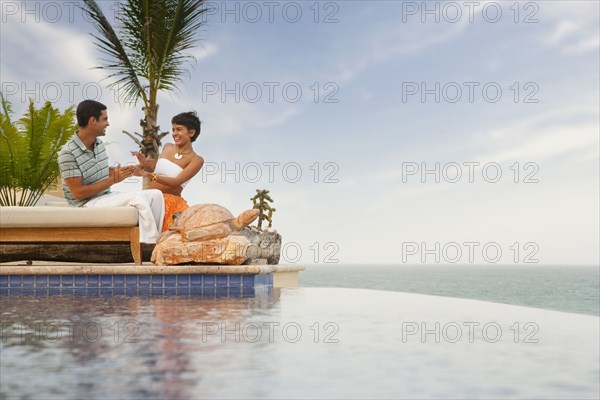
{"x": 177, "y": 164}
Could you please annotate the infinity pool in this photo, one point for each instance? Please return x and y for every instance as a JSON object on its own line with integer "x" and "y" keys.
{"x": 293, "y": 343}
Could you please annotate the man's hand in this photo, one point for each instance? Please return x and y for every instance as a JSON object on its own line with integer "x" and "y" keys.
{"x": 115, "y": 175}
{"x": 119, "y": 174}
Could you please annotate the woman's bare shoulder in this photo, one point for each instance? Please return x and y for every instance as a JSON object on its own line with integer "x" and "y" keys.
{"x": 198, "y": 159}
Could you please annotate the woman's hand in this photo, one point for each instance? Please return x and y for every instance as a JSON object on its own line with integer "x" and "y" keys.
{"x": 146, "y": 163}
{"x": 150, "y": 164}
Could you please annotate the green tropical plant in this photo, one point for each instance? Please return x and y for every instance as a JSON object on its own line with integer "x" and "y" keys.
{"x": 28, "y": 151}
{"x": 260, "y": 202}
{"x": 147, "y": 55}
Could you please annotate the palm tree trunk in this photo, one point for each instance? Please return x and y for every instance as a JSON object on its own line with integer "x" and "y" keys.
{"x": 151, "y": 138}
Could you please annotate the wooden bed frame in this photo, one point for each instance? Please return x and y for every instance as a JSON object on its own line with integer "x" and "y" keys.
{"x": 88, "y": 234}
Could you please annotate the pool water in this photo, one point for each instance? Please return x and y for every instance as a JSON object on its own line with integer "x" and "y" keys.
{"x": 293, "y": 343}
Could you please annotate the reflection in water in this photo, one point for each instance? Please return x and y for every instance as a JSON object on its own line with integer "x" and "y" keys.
{"x": 147, "y": 347}
{"x": 299, "y": 343}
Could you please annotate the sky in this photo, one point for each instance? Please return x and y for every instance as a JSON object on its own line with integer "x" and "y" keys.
{"x": 387, "y": 132}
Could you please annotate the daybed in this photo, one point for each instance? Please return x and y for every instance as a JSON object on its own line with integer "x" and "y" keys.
{"x": 57, "y": 222}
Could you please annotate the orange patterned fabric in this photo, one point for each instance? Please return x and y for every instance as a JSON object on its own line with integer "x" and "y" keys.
{"x": 173, "y": 204}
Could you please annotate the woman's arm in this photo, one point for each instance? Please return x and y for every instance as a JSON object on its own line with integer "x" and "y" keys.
{"x": 167, "y": 189}
{"x": 188, "y": 173}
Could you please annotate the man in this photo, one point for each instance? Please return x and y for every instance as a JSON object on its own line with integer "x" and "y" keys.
{"x": 87, "y": 178}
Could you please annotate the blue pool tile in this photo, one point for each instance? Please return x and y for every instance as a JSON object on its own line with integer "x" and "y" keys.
{"x": 208, "y": 281}
{"x": 235, "y": 280}
{"x": 260, "y": 279}
{"x": 270, "y": 279}
{"x": 196, "y": 280}
{"x": 93, "y": 281}
{"x": 222, "y": 280}
{"x": 235, "y": 291}
{"x": 106, "y": 291}
{"x": 131, "y": 280}
{"x": 157, "y": 281}
{"x": 170, "y": 291}
{"x": 193, "y": 291}
{"x": 248, "y": 291}
{"x": 80, "y": 281}
{"x": 209, "y": 291}
{"x": 15, "y": 281}
{"x": 131, "y": 291}
{"x": 54, "y": 281}
{"x": 118, "y": 281}
{"x": 222, "y": 292}
{"x": 248, "y": 280}
{"x": 53, "y": 291}
{"x": 80, "y": 291}
{"x": 119, "y": 291}
{"x": 183, "y": 280}
{"x": 28, "y": 281}
{"x": 170, "y": 280}
{"x": 41, "y": 281}
{"x": 3, "y": 281}
{"x": 105, "y": 280}
{"x": 144, "y": 280}
{"x": 67, "y": 281}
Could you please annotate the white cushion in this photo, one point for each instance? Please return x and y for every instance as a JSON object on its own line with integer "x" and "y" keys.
{"x": 67, "y": 217}
{"x": 54, "y": 199}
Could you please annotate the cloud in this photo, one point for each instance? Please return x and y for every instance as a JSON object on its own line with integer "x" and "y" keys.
{"x": 34, "y": 50}
{"x": 390, "y": 43}
{"x": 543, "y": 136}
{"x": 204, "y": 51}
{"x": 573, "y": 26}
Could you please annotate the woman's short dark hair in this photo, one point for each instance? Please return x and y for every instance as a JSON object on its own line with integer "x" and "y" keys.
{"x": 88, "y": 109}
{"x": 190, "y": 120}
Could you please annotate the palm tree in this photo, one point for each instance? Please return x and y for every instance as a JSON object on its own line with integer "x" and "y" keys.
{"x": 28, "y": 151}
{"x": 148, "y": 54}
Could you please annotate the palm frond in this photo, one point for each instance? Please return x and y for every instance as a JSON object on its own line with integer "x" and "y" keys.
{"x": 8, "y": 138}
{"x": 128, "y": 85}
{"x": 28, "y": 151}
{"x": 182, "y": 23}
{"x": 156, "y": 34}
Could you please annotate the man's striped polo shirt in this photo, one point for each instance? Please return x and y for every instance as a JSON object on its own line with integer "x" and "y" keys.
{"x": 76, "y": 160}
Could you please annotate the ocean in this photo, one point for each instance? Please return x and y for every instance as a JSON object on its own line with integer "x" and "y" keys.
{"x": 573, "y": 289}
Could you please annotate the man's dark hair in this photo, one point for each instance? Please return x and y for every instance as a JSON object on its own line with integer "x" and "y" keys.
{"x": 190, "y": 120}
{"x": 88, "y": 109}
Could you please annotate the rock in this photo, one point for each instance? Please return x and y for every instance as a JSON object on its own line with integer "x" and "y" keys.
{"x": 265, "y": 245}
{"x": 174, "y": 250}
{"x": 205, "y": 233}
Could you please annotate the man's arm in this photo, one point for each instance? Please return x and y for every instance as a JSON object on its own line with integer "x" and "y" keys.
{"x": 82, "y": 192}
